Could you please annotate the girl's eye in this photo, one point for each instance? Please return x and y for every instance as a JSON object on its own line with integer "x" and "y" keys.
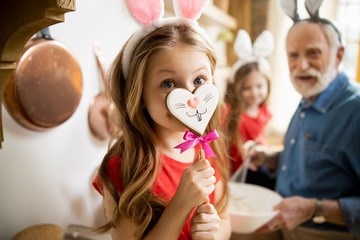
{"x": 167, "y": 84}
{"x": 199, "y": 80}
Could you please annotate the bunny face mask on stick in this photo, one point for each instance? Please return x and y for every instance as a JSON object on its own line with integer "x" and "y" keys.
{"x": 195, "y": 110}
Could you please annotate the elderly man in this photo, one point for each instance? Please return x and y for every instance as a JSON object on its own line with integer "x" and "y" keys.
{"x": 319, "y": 169}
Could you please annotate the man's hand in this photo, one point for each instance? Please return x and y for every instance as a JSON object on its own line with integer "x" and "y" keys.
{"x": 292, "y": 212}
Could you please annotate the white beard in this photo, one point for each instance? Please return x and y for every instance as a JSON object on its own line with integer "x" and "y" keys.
{"x": 322, "y": 81}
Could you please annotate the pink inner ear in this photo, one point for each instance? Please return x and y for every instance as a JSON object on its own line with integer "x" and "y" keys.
{"x": 192, "y": 8}
{"x": 145, "y": 11}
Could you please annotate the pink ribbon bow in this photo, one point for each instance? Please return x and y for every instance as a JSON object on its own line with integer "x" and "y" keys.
{"x": 192, "y": 139}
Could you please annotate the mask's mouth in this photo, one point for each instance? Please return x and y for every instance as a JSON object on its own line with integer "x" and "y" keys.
{"x": 197, "y": 115}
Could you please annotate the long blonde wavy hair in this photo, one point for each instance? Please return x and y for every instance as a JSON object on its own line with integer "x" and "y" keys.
{"x": 137, "y": 144}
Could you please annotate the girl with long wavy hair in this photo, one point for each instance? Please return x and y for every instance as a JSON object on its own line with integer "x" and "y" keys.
{"x": 246, "y": 114}
{"x": 150, "y": 190}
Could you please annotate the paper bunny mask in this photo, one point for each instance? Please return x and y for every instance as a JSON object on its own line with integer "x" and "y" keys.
{"x": 149, "y": 13}
{"x": 312, "y": 7}
{"x": 247, "y": 53}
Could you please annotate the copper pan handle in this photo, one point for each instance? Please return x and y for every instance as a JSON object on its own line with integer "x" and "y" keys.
{"x": 99, "y": 54}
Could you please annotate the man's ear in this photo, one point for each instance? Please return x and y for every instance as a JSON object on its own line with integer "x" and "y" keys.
{"x": 339, "y": 55}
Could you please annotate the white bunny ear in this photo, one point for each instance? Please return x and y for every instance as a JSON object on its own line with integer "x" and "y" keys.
{"x": 190, "y": 9}
{"x": 290, "y": 9}
{"x": 146, "y": 11}
{"x": 312, "y": 7}
{"x": 264, "y": 44}
{"x": 242, "y": 45}
{"x": 247, "y": 53}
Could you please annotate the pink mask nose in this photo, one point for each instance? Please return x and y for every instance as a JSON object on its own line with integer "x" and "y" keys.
{"x": 194, "y": 102}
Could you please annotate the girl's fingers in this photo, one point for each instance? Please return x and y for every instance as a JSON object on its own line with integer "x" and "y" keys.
{"x": 206, "y": 223}
{"x": 209, "y": 189}
{"x": 205, "y": 227}
{"x": 206, "y": 208}
{"x": 201, "y": 164}
{"x": 207, "y": 173}
{"x": 208, "y": 181}
{"x": 204, "y": 235}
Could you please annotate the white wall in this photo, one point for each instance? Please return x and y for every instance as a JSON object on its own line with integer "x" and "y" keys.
{"x": 45, "y": 176}
{"x": 283, "y": 98}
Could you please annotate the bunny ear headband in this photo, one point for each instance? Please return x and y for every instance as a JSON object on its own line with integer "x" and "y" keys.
{"x": 312, "y": 7}
{"x": 149, "y": 13}
{"x": 247, "y": 53}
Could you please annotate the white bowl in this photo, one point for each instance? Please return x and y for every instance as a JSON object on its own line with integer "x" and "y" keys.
{"x": 251, "y": 206}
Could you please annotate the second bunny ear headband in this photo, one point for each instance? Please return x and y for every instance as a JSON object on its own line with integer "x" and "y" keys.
{"x": 149, "y": 13}
{"x": 312, "y": 7}
{"x": 248, "y": 53}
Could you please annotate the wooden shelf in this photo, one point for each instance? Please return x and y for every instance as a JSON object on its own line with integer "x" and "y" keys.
{"x": 216, "y": 15}
{"x": 211, "y": 15}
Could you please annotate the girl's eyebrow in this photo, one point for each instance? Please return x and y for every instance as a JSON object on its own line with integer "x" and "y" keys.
{"x": 200, "y": 68}
{"x": 173, "y": 71}
{"x": 164, "y": 71}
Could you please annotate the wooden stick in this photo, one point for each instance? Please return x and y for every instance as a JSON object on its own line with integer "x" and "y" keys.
{"x": 201, "y": 153}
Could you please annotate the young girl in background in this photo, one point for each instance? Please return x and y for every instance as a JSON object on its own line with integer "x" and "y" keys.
{"x": 246, "y": 113}
{"x": 151, "y": 191}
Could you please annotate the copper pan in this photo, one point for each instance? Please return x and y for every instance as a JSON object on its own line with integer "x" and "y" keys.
{"x": 46, "y": 86}
{"x": 99, "y": 115}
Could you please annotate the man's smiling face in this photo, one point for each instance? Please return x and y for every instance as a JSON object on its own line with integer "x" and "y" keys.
{"x": 311, "y": 64}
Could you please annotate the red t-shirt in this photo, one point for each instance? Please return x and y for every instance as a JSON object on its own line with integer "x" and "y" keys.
{"x": 254, "y": 128}
{"x": 250, "y": 129}
{"x": 165, "y": 187}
